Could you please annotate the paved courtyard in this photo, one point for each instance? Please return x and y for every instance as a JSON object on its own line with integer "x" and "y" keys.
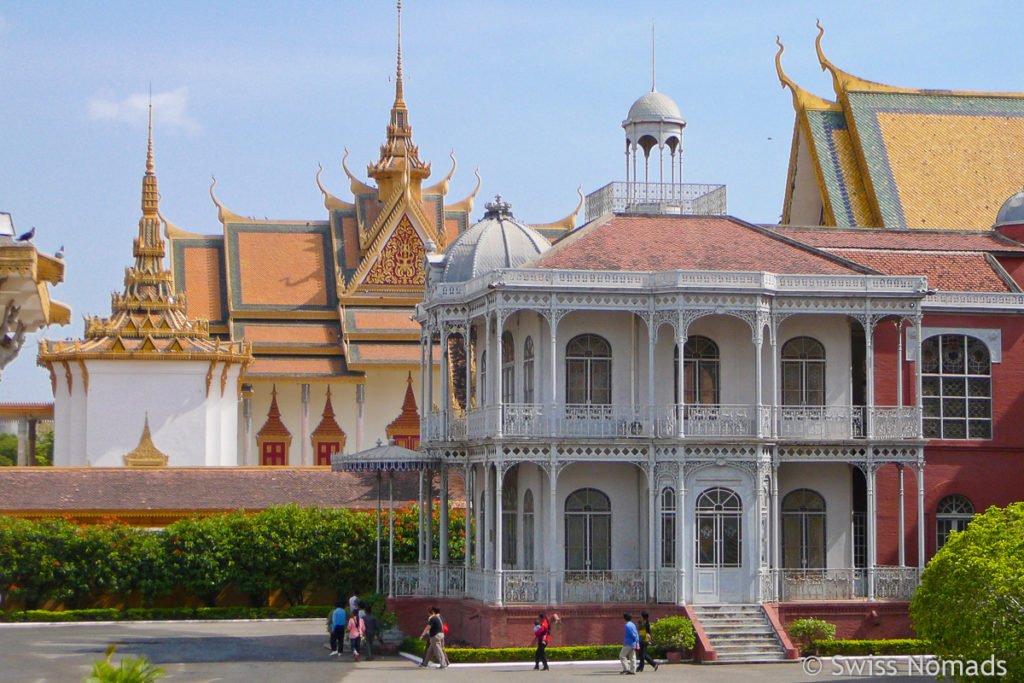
{"x": 293, "y": 651}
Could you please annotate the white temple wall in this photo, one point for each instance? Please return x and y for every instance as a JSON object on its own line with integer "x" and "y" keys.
{"x": 63, "y": 436}
{"x": 532, "y": 478}
{"x": 833, "y": 481}
{"x": 229, "y": 402}
{"x": 522, "y": 325}
{"x": 174, "y": 396}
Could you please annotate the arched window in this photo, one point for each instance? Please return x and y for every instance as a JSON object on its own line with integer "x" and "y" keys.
{"x": 803, "y": 530}
{"x": 668, "y": 527}
{"x": 481, "y": 546}
{"x": 508, "y": 368}
{"x": 956, "y": 387}
{"x": 719, "y": 528}
{"x": 803, "y": 372}
{"x": 588, "y": 370}
{"x": 701, "y": 368}
{"x": 588, "y": 531}
{"x": 509, "y": 501}
{"x": 528, "y": 520}
{"x": 481, "y": 393}
{"x": 954, "y": 513}
{"x": 528, "y": 392}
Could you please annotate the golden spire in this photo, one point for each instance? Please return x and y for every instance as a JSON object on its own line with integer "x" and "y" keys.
{"x": 399, "y": 159}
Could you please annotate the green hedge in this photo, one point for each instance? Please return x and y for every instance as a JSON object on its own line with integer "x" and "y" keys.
{"x": 899, "y": 646}
{"x": 291, "y": 551}
{"x": 515, "y": 654}
{"x": 169, "y": 614}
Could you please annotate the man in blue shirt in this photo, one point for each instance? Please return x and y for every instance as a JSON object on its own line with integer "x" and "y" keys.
{"x": 630, "y": 642}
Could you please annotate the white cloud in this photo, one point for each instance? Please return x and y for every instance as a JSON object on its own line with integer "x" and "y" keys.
{"x": 170, "y": 110}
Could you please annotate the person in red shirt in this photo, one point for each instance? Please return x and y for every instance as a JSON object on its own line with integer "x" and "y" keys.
{"x": 542, "y": 632}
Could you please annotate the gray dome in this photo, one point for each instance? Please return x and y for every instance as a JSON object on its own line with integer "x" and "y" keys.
{"x": 497, "y": 241}
{"x": 655, "y": 106}
{"x": 1012, "y": 211}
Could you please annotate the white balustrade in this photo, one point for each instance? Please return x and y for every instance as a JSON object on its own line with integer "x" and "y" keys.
{"x": 891, "y": 583}
{"x": 896, "y": 583}
{"x": 810, "y": 423}
{"x": 524, "y": 586}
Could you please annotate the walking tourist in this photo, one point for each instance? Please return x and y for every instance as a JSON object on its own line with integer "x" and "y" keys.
{"x": 372, "y": 627}
{"x": 646, "y": 640}
{"x": 356, "y": 630}
{"x": 337, "y": 628}
{"x": 434, "y": 633}
{"x": 542, "y": 632}
{"x": 630, "y": 644}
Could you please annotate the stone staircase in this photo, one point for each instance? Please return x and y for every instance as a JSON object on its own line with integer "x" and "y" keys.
{"x": 740, "y": 633}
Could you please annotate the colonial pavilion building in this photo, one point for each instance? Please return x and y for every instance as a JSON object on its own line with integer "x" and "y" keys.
{"x": 672, "y": 406}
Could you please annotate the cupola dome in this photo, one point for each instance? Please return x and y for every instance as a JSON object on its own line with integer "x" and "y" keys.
{"x": 1012, "y": 211}
{"x": 653, "y": 106}
{"x": 497, "y": 241}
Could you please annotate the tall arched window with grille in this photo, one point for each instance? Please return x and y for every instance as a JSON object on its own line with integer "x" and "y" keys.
{"x": 528, "y": 378}
{"x": 956, "y": 387}
{"x": 528, "y": 524}
{"x": 509, "y": 503}
{"x": 588, "y": 531}
{"x": 719, "y": 513}
{"x": 508, "y": 368}
{"x": 588, "y": 370}
{"x": 701, "y": 368}
{"x": 803, "y": 530}
{"x": 668, "y": 527}
{"x": 803, "y": 372}
{"x": 953, "y": 513}
{"x": 481, "y": 394}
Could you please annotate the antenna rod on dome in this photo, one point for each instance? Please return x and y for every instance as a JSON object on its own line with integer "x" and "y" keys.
{"x": 653, "y": 88}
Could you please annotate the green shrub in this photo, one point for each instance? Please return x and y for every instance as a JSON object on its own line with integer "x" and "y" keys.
{"x": 969, "y": 601}
{"x": 673, "y": 634}
{"x": 806, "y": 631}
{"x": 131, "y": 670}
{"x": 900, "y": 646}
{"x": 307, "y": 611}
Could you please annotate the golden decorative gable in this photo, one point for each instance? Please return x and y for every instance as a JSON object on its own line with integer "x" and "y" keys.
{"x": 146, "y": 454}
{"x": 401, "y": 260}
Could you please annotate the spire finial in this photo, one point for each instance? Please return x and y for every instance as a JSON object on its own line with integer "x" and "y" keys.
{"x": 398, "y": 73}
{"x": 653, "y": 88}
{"x": 149, "y": 151}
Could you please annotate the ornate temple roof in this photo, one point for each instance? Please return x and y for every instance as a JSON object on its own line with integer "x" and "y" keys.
{"x": 273, "y": 427}
{"x": 25, "y": 303}
{"x": 148, "y": 319}
{"x": 328, "y": 427}
{"x": 903, "y": 158}
{"x": 408, "y": 421}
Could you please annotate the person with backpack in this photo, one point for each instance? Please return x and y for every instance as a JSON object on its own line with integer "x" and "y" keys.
{"x": 542, "y": 632}
{"x": 336, "y": 626}
{"x": 434, "y": 633}
{"x": 646, "y": 640}
{"x": 356, "y": 631}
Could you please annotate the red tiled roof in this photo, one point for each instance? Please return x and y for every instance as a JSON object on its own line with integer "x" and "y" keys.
{"x": 945, "y": 270}
{"x": 67, "y": 490}
{"x": 657, "y": 243}
{"x": 874, "y": 238}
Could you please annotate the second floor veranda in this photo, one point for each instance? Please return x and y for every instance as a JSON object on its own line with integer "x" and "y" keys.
{"x": 675, "y": 421}
{"x": 714, "y": 373}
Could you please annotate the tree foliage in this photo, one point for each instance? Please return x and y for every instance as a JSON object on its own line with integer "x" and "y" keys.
{"x": 970, "y": 603}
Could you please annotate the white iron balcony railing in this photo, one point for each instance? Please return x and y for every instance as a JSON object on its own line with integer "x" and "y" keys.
{"x": 657, "y": 198}
{"x": 843, "y": 583}
{"x": 561, "y": 420}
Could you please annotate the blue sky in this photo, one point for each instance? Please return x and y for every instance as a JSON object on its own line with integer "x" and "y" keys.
{"x": 532, "y": 93}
